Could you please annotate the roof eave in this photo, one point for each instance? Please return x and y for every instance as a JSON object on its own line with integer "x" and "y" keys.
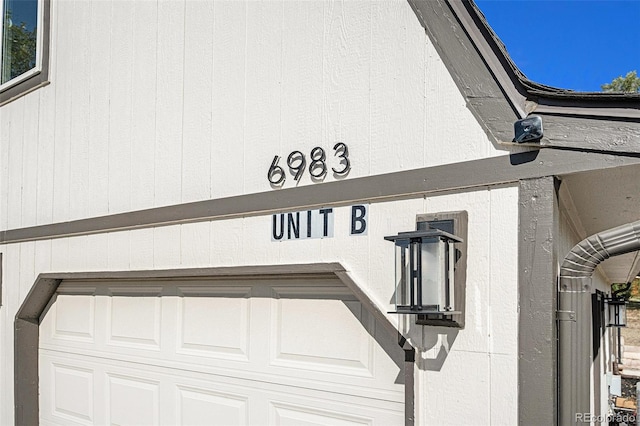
{"x": 498, "y": 93}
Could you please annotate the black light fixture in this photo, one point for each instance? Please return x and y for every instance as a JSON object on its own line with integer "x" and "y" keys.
{"x": 617, "y": 307}
{"x": 617, "y": 312}
{"x": 425, "y": 262}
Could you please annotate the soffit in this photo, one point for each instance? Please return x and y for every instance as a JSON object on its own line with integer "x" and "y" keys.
{"x": 604, "y": 199}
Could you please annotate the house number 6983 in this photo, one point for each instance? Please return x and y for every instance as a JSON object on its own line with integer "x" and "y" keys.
{"x": 297, "y": 164}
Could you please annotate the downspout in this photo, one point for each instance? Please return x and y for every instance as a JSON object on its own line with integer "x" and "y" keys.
{"x": 574, "y": 316}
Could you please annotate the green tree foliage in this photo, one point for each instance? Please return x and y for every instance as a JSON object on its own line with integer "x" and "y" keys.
{"x": 627, "y": 84}
{"x": 619, "y": 286}
{"x": 633, "y": 293}
{"x": 19, "y": 49}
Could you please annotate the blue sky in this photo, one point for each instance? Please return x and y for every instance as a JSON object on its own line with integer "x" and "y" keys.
{"x": 571, "y": 44}
{"x": 23, "y": 11}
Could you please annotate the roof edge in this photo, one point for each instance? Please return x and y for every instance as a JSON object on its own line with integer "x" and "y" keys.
{"x": 498, "y": 94}
{"x": 577, "y": 102}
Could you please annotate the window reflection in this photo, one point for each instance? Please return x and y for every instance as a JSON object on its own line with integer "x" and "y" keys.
{"x": 19, "y": 38}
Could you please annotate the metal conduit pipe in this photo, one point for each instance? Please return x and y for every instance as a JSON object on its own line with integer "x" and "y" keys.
{"x": 574, "y": 317}
{"x": 583, "y": 259}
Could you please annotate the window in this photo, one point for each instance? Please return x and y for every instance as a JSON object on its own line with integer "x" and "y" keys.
{"x": 24, "y": 48}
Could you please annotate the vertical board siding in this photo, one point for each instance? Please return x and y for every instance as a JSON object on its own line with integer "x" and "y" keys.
{"x": 30, "y": 160}
{"x": 397, "y": 79}
{"x": 60, "y": 254}
{"x": 4, "y": 166}
{"x": 347, "y": 66}
{"x": 449, "y": 124}
{"x": 160, "y": 102}
{"x": 99, "y": 122}
{"x": 226, "y": 242}
{"x": 155, "y": 103}
{"x": 119, "y": 250}
{"x": 503, "y": 307}
{"x": 167, "y": 247}
{"x": 80, "y": 246}
{"x": 143, "y": 104}
{"x": 228, "y": 98}
{"x": 263, "y": 95}
{"x": 80, "y": 99}
{"x": 11, "y": 299}
{"x": 142, "y": 249}
{"x": 43, "y": 157}
{"x": 15, "y": 154}
{"x": 120, "y": 110}
{"x": 483, "y": 355}
{"x": 302, "y": 76}
{"x": 194, "y": 244}
{"x": 198, "y": 84}
{"x": 63, "y": 77}
{"x": 97, "y": 252}
{"x": 27, "y": 271}
{"x": 169, "y": 102}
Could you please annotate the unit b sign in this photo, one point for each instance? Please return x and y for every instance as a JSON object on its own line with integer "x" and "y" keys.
{"x": 318, "y": 223}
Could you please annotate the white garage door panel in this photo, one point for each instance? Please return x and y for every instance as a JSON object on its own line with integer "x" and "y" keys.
{"x": 196, "y": 407}
{"x": 173, "y": 353}
{"x": 134, "y": 322}
{"x": 71, "y": 395}
{"x": 226, "y": 308}
{"x": 132, "y": 394}
{"x": 303, "y": 340}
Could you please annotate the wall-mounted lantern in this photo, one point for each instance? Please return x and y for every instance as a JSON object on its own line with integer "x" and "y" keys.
{"x": 617, "y": 306}
{"x": 425, "y": 263}
{"x": 617, "y": 312}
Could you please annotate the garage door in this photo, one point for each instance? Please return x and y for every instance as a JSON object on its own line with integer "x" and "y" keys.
{"x": 282, "y": 352}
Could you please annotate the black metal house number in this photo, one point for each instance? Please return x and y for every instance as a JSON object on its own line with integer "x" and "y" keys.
{"x": 297, "y": 164}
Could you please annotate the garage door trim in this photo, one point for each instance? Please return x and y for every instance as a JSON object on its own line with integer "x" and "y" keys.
{"x": 28, "y": 318}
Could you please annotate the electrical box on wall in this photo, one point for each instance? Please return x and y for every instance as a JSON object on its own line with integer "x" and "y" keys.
{"x": 454, "y": 223}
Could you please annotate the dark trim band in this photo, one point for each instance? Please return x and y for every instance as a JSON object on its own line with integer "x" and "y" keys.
{"x": 400, "y": 185}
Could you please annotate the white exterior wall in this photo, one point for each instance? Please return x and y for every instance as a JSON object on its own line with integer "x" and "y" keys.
{"x": 462, "y": 377}
{"x": 160, "y": 103}
{"x": 471, "y": 376}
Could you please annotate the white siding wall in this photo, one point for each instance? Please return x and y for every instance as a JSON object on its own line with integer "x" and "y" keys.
{"x": 157, "y": 103}
{"x": 471, "y": 376}
{"x": 161, "y": 102}
{"x": 463, "y": 377}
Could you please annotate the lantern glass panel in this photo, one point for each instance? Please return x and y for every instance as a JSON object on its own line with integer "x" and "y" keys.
{"x": 403, "y": 275}
{"x": 434, "y": 262}
{"x": 622, "y": 315}
{"x": 424, "y": 271}
{"x": 617, "y": 313}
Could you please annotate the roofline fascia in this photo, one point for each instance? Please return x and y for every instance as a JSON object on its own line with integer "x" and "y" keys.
{"x": 528, "y": 95}
{"x": 493, "y": 52}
